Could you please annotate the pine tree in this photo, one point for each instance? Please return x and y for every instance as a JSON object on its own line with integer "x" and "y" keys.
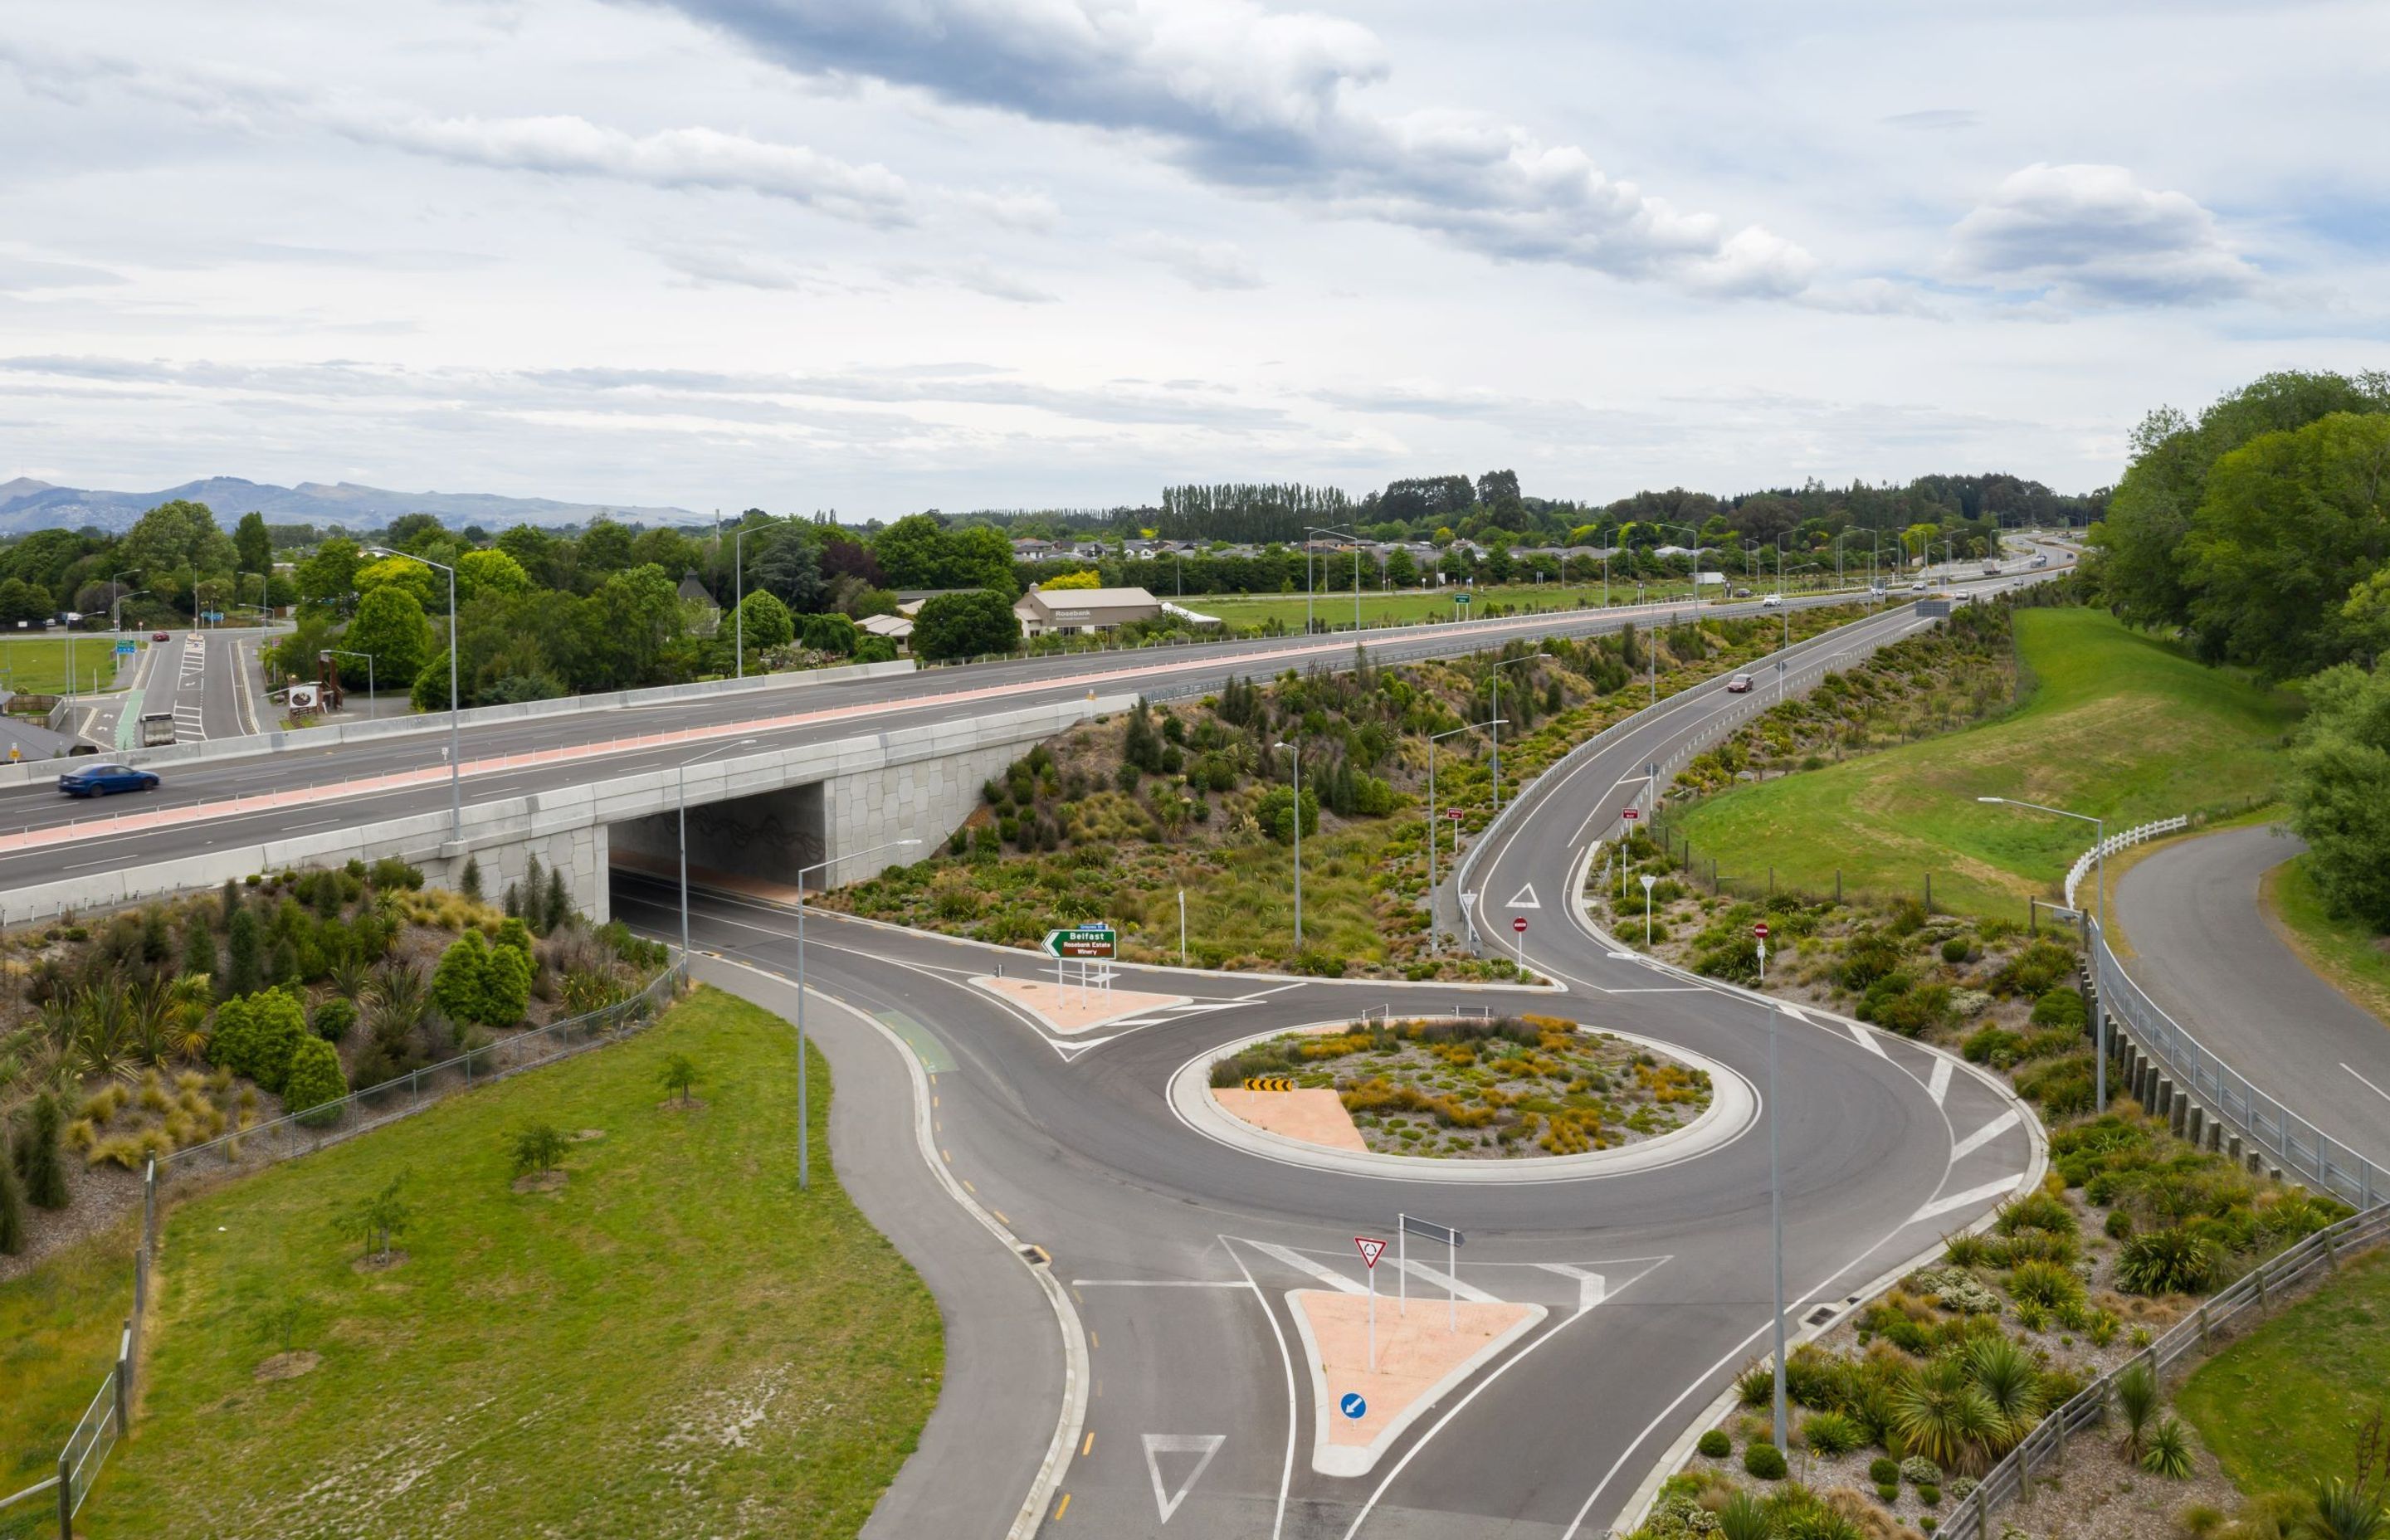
{"x": 534, "y": 910}
{"x": 247, "y": 973}
{"x": 37, "y": 1155}
{"x": 469, "y": 882}
{"x": 200, "y": 958}
{"x": 231, "y": 903}
{"x": 559, "y": 903}
{"x": 514, "y": 901}
{"x": 12, "y": 1212}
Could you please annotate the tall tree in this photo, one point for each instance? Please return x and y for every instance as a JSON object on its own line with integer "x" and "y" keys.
{"x": 252, "y": 545}
{"x": 391, "y": 625}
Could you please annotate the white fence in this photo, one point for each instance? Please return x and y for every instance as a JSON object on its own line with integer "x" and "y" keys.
{"x": 2115, "y": 843}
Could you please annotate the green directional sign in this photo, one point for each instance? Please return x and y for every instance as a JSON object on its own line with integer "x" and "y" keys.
{"x": 1088, "y": 942}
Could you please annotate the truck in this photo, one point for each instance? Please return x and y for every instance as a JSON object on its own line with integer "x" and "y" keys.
{"x": 157, "y": 729}
{"x": 1991, "y": 567}
{"x": 2041, "y": 559}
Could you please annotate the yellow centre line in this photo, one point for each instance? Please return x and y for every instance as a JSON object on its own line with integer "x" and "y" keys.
{"x": 1064, "y": 1507}
{"x": 1089, "y": 1447}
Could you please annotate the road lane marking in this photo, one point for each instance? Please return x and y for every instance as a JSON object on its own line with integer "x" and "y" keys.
{"x": 1445, "y": 1281}
{"x": 1063, "y": 1507}
{"x": 1525, "y": 898}
{"x": 1089, "y": 1447}
{"x": 1202, "y": 1445}
{"x": 2368, "y": 1084}
{"x": 1302, "y": 1264}
{"x": 1983, "y": 1136}
{"x": 1286, "y": 1472}
{"x": 1157, "y": 1283}
{"x": 1939, "y": 1086}
{"x": 1962, "y": 1199}
{"x": 1591, "y": 1288}
{"x": 1867, "y": 1040}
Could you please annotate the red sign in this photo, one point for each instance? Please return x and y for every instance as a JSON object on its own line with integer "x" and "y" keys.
{"x": 1760, "y": 930}
{"x": 1370, "y": 1250}
{"x": 1630, "y": 814}
{"x": 1520, "y": 924}
{"x": 1454, "y": 816}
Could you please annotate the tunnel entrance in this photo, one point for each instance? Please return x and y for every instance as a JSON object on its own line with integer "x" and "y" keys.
{"x": 769, "y": 837}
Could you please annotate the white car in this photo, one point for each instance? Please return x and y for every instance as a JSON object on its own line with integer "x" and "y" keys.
{"x": 1773, "y": 601}
{"x": 1917, "y": 587}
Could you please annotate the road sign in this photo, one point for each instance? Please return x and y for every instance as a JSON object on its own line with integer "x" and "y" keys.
{"x": 1370, "y": 1250}
{"x": 1647, "y": 879}
{"x": 1428, "y": 1228}
{"x": 1760, "y": 930}
{"x": 1094, "y": 942}
{"x": 1352, "y": 1405}
{"x": 1519, "y": 923}
{"x": 125, "y": 649}
{"x": 1269, "y": 1082}
{"x": 1454, "y": 816}
{"x": 1629, "y": 814}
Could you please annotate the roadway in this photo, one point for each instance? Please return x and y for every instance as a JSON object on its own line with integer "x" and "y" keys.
{"x": 210, "y": 680}
{"x": 1176, "y": 1252}
{"x": 2204, "y": 951}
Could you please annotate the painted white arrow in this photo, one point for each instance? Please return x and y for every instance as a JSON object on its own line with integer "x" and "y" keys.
{"x": 1202, "y": 1445}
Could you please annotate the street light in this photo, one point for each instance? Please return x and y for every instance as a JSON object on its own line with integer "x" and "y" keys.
{"x": 804, "y": 1158}
{"x": 1434, "y": 936}
{"x": 1344, "y": 534}
{"x": 116, "y": 605}
{"x": 681, "y": 775}
{"x": 1697, "y": 557}
{"x": 1296, "y": 750}
{"x": 1774, "y": 1191}
{"x": 349, "y": 652}
{"x": 1496, "y": 674}
{"x": 456, "y": 765}
{"x": 2100, "y": 857}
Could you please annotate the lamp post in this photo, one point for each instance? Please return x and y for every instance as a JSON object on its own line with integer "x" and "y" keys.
{"x": 1775, "y": 1192}
{"x": 1435, "y": 936}
{"x": 1341, "y": 535}
{"x": 1295, "y": 749}
{"x": 456, "y": 765}
{"x": 2099, "y": 857}
{"x": 681, "y": 777}
{"x": 1496, "y": 674}
{"x": 804, "y": 1158}
{"x": 738, "y": 595}
{"x": 116, "y": 605}
{"x": 1697, "y": 557}
{"x": 348, "y": 652}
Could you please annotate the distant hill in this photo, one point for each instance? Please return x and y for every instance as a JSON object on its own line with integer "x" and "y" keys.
{"x": 27, "y": 504}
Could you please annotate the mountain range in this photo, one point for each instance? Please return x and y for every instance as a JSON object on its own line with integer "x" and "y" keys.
{"x": 27, "y": 504}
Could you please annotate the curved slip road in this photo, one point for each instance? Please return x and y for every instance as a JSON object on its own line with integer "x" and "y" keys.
{"x": 2205, "y": 953}
{"x": 1178, "y": 1251}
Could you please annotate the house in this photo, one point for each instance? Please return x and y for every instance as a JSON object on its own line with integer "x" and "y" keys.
{"x": 1032, "y": 550}
{"x": 1082, "y": 611}
{"x": 693, "y": 592}
{"x": 896, "y": 628}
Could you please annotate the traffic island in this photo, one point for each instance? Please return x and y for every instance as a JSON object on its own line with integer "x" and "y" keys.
{"x": 1228, "y": 1094}
{"x": 1072, "y": 1008}
{"x": 1421, "y": 1355}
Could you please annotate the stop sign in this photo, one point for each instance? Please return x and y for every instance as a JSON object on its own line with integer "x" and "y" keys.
{"x": 1629, "y": 812}
{"x": 1519, "y": 924}
{"x": 1760, "y": 930}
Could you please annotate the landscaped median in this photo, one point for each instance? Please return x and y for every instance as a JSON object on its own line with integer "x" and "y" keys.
{"x": 1462, "y": 1098}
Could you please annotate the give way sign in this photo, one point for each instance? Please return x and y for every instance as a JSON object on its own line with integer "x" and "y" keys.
{"x": 1370, "y": 1250}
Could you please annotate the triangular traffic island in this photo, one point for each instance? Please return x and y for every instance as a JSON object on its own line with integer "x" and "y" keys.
{"x": 1068, "y": 1007}
{"x": 1422, "y": 1357}
{"x": 1313, "y": 1116}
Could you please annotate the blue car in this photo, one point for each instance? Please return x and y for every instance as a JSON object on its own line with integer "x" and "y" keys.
{"x": 98, "y": 780}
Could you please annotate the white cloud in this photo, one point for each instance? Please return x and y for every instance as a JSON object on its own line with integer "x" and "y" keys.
{"x": 2094, "y": 234}
{"x": 1268, "y": 104}
{"x": 1209, "y": 265}
{"x": 23, "y": 275}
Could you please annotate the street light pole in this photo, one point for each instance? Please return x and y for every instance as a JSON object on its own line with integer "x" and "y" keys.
{"x": 455, "y": 705}
{"x": 738, "y": 593}
{"x": 804, "y": 1156}
{"x": 1341, "y": 535}
{"x": 2100, "y": 860}
{"x": 1494, "y": 674}
{"x": 681, "y": 775}
{"x": 1295, "y": 747}
{"x": 1775, "y": 1192}
{"x": 1434, "y": 935}
{"x": 347, "y": 652}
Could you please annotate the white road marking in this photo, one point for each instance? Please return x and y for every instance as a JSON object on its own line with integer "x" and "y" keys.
{"x": 1983, "y": 1136}
{"x": 1302, "y": 1264}
{"x": 1962, "y": 1199}
{"x": 2368, "y": 1084}
{"x": 1158, "y": 1283}
{"x": 1203, "y": 1444}
{"x": 1591, "y": 1288}
{"x": 1939, "y": 1086}
{"x": 1525, "y": 898}
{"x": 1867, "y": 1040}
{"x": 1446, "y": 1282}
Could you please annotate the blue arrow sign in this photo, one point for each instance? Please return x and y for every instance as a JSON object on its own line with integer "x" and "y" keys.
{"x": 1352, "y": 1406}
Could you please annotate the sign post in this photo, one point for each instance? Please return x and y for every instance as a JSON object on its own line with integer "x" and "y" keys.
{"x": 1760, "y": 930}
{"x": 1648, "y": 880}
{"x": 1371, "y": 1249}
{"x": 1410, "y": 1224}
{"x": 1519, "y": 929}
{"x": 1094, "y": 942}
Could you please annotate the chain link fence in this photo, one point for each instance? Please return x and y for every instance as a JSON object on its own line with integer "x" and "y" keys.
{"x": 48, "y": 1507}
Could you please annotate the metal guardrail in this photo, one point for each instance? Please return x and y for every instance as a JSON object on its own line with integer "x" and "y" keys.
{"x": 106, "y": 1421}
{"x": 2115, "y": 843}
{"x": 2045, "y": 1447}
{"x": 2302, "y": 1150}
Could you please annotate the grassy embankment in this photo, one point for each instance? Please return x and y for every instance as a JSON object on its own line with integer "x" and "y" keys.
{"x": 2282, "y": 1406}
{"x": 2115, "y": 723}
{"x": 675, "y": 1343}
{"x": 38, "y": 665}
{"x": 1412, "y": 606}
{"x": 2345, "y": 952}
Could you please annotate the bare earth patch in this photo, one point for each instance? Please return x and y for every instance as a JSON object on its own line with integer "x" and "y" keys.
{"x": 378, "y": 1263}
{"x": 544, "y": 1181}
{"x": 585, "y": 1135}
{"x": 1315, "y": 1117}
{"x": 289, "y": 1366}
{"x": 674, "y": 1104}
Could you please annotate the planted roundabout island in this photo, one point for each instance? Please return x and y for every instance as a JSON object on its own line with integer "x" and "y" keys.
{"x": 1468, "y": 1099}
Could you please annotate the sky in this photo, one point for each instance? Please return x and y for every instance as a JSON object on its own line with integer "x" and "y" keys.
{"x": 882, "y": 255}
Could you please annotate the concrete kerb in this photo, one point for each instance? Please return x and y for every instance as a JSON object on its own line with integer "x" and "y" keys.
{"x": 1734, "y": 1107}
{"x": 1075, "y": 1370}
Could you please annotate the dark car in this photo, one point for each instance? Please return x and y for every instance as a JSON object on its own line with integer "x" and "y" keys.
{"x": 1739, "y": 685}
{"x": 98, "y": 780}
{"x": 161, "y": 636}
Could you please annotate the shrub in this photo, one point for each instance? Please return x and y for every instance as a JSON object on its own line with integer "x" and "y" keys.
{"x": 537, "y": 1148}
{"x": 1715, "y": 1444}
{"x": 257, "y": 1035}
{"x": 2166, "y": 1262}
{"x": 2136, "y": 1390}
{"x": 2045, "y": 1284}
{"x": 1765, "y": 1461}
{"x": 1955, "y": 950}
{"x": 1930, "y": 1495}
{"x": 1884, "y": 1470}
{"x": 313, "y": 1080}
{"x": 1831, "y": 1434}
{"x": 12, "y": 1213}
{"x": 37, "y": 1156}
{"x": 1888, "y": 1492}
{"x": 1997, "y": 1046}
{"x": 334, "y": 1018}
{"x": 2120, "y": 1225}
{"x": 2169, "y": 1454}
{"x": 1920, "y": 1472}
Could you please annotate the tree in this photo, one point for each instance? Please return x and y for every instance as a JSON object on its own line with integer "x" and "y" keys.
{"x": 831, "y": 634}
{"x": 380, "y": 1218}
{"x": 174, "y": 537}
{"x": 480, "y": 573}
{"x": 914, "y": 552}
{"x": 1275, "y": 813}
{"x": 12, "y": 1212}
{"x": 468, "y": 882}
{"x": 415, "y": 532}
{"x": 2338, "y": 788}
{"x": 430, "y": 587}
{"x": 461, "y": 983}
{"x": 1401, "y": 569}
{"x": 764, "y": 622}
{"x": 558, "y": 909}
{"x": 390, "y": 624}
{"x": 247, "y": 948}
{"x": 20, "y": 600}
{"x": 965, "y": 626}
{"x": 314, "y": 1082}
{"x": 199, "y": 958}
{"x": 678, "y": 1073}
{"x": 1084, "y": 578}
{"x": 257, "y": 1035}
{"x": 37, "y": 1155}
{"x": 537, "y": 1150}
{"x": 253, "y": 545}
{"x": 507, "y": 987}
{"x": 329, "y": 575}
{"x": 605, "y": 546}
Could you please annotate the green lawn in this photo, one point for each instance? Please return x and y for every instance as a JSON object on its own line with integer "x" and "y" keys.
{"x": 59, "y": 1327}
{"x": 2117, "y": 723}
{"x": 676, "y": 1343}
{"x": 2345, "y": 952}
{"x": 38, "y": 665}
{"x": 2281, "y": 1406}
{"x": 1409, "y": 607}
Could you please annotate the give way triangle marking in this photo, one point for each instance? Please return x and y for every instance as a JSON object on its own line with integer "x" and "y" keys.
{"x": 1204, "y": 1446}
{"x": 1525, "y": 898}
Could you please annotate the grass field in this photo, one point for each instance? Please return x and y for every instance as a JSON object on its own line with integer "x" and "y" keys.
{"x": 2117, "y": 723}
{"x": 38, "y": 665}
{"x": 1411, "y": 607}
{"x": 57, "y": 1335}
{"x": 2345, "y": 952}
{"x": 2281, "y": 1406}
{"x": 675, "y": 1343}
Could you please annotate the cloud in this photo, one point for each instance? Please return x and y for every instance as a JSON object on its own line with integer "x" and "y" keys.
{"x": 23, "y": 275}
{"x": 1267, "y": 104}
{"x": 725, "y": 268}
{"x": 1938, "y": 119}
{"x": 1210, "y": 264}
{"x": 2093, "y": 235}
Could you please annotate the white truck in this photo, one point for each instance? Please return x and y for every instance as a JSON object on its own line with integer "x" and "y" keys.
{"x": 157, "y": 729}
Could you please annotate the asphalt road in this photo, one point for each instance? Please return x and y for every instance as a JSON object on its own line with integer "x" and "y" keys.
{"x": 207, "y": 679}
{"x": 2205, "y": 953}
{"x": 1178, "y": 1251}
